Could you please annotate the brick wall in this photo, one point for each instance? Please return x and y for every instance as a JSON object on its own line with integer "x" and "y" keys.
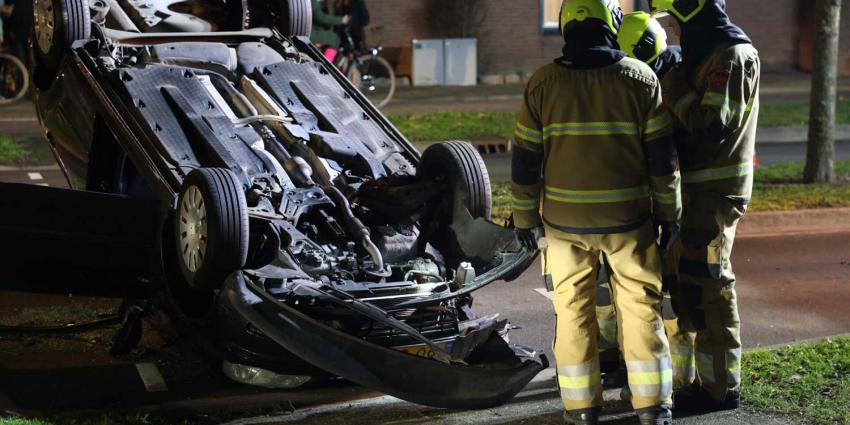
{"x": 511, "y": 40}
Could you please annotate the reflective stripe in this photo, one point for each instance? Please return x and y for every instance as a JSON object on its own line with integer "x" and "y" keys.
{"x": 596, "y": 196}
{"x": 525, "y": 204}
{"x": 608, "y": 333}
{"x": 669, "y": 198}
{"x": 657, "y": 124}
{"x": 725, "y": 103}
{"x": 590, "y": 129}
{"x": 705, "y": 367}
{"x": 720, "y": 173}
{"x": 653, "y": 378}
{"x": 733, "y": 366}
{"x": 528, "y": 134}
{"x": 580, "y": 382}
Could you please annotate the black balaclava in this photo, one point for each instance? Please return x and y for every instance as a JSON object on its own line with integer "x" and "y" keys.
{"x": 669, "y": 58}
{"x": 706, "y": 31}
{"x": 589, "y": 44}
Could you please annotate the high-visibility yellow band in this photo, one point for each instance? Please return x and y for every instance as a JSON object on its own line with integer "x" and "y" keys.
{"x": 528, "y": 134}
{"x": 657, "y": 124}
{"x": 651, "y": 378}
{"x": 590, "y": 129}
{"x": 596, "y": 196}
{"x": 719, "y": 173}
{"x": 723, "y": 101}
{"x": 576, "y": 382}
{"x": 666, "y": 198}
{"x": 525, "y": 204}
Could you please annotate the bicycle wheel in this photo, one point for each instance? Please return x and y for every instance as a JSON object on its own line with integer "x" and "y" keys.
{"x": 14, "y": 79}
{"x": 373, "y": 76}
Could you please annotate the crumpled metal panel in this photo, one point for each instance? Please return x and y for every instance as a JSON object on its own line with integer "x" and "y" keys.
{"x": 494, "y": 376}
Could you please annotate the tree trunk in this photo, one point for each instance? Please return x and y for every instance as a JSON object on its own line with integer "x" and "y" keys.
{"x": 820, "y": 156}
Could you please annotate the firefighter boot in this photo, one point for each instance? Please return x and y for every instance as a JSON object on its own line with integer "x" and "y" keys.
{"x": 655, "y": 415}
{"x": 583, "y": 416}
{"x": 694, "y": 399}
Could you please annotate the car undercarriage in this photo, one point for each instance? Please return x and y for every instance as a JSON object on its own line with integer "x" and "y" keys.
{"x": 238, "y": 177}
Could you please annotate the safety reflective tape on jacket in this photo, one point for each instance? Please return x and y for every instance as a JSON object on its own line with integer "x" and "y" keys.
{"x": 668, "y": 198}
{"x": 590, "y": 129}
{"x": 719, "y": 173}
{"x": 528, "y": 134}
{"x": 657, "y": 126}
{"x": 721, "y": 100}
{"x": 596, "y": 196}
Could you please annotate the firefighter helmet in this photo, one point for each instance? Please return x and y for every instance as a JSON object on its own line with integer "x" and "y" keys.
{"x": 642, "y": 37}
{"x": 683, "y": 10}
{"x": 607, "y": 11}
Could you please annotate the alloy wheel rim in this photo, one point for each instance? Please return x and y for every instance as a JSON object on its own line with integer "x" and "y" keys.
{"x": 193, "y": 229}
{"x": 44, "y": 24}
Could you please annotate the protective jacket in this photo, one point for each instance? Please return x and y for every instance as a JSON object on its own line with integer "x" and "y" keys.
{"x": 718, "y": 104}
{"x": 323, "y": 26}
{"x": 595, "y": 147}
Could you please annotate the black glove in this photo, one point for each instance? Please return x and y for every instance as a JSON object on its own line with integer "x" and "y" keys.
{"x": 528, "y": 238}
{"x": 667, "y": 233}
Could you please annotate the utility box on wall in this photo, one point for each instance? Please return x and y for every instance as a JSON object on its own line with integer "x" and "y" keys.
{"x": 461, "y": 61}
{"x": 429, "y": 66}
{"x": 452, "y": 62}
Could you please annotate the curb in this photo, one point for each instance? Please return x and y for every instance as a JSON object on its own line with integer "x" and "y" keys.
{"x": 795, "y": 134}
{"x": 775, "y": 223}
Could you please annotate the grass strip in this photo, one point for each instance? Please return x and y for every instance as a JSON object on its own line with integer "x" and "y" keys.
{"x": 778, "y": 187}
{"x": 481, "y": 125}
{"x": 811, "y": 381}
{"x": 10, "y": 153}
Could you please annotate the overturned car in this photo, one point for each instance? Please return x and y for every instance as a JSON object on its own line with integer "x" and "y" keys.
{"x": 240, "y": 181}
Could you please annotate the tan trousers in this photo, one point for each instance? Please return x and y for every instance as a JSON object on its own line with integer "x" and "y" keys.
{"x": 636, "y": 281}
{"x": 707, "y": 301}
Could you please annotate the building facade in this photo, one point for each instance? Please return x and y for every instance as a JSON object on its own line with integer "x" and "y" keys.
{"x": 518, "y": 36}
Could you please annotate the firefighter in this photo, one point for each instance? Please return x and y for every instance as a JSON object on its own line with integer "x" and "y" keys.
{"x": 642, "y": 37}
{"x": 594, "y": 165}
{"x": 714, "y": 96}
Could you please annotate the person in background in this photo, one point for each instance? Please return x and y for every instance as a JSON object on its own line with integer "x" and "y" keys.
{"x": 714, "y": 96}
{"x": 642, "y": 37}
{"x": 593, "y": 146}
{"x": 359, "y": 14}
{"x": 323, "y": 34}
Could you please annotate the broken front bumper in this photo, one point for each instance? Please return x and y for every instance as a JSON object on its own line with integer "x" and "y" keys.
{"x": 493, "y": 375}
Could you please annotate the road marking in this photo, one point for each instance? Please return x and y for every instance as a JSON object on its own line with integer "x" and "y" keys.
{"x": 544, "y": 292}
{"x": 43, "y": 184}
{"x": 151, "y": 377}
{"x": 35, "y": 176}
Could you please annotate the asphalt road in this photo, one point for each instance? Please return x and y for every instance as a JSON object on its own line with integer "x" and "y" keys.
{"x": 805, "y": 278}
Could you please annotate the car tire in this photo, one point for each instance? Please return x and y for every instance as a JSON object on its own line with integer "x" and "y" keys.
{"x": 462, "y": 169}
{"x": 56, "y": 25}
{"x": 211, "y": 227}
{"x": 293, "y": 18}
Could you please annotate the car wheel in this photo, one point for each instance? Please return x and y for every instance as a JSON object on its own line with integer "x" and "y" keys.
{"x": 211, "y": 227}
{"x": 56, "y": 25}
{"x": 293, "y": 18}
{"x": 460, "y": 166}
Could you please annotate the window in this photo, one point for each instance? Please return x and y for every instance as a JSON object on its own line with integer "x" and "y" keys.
{"x": 551, "y": 13}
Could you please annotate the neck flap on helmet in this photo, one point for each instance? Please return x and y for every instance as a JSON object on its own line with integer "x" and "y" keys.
{"x": 589, "y": 44}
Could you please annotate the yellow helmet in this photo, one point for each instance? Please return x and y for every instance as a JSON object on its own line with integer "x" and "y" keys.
{"x": 684, "y": 10}
{"x": 642, "y": 37}
{"x": 608, "y": 11}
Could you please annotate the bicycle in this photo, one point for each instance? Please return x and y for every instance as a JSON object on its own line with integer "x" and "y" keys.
{"x": 14, "y": 79}
{"x": 369, "y": 72}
